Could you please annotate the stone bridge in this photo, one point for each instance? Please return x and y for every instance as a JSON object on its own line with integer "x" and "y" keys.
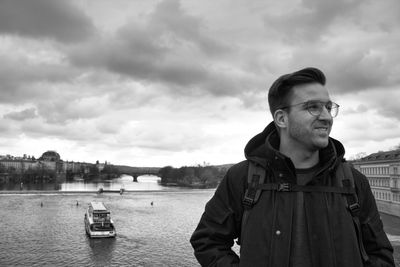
{"x": 135, "y": 172}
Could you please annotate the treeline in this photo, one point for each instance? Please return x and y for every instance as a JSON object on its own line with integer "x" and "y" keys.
{"x": 43, "y": 174}
{"x": 108, "y": 172}
{"x": 11, "y": 175}
{"x": 198, "y": 176}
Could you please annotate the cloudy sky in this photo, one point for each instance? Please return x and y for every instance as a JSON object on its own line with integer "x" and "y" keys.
{"x": 169, "y": 82}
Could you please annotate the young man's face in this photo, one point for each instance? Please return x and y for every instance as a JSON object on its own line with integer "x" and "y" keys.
{"x": 305, "y": 130}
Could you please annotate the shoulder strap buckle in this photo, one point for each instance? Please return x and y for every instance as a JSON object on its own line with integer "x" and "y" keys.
{"x": 284, "y": 187}
{"x": 248, "y": 201}
{"x": 354, "y": 208}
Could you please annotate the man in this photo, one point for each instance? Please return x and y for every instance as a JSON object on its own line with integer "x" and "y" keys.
{"x": 307, "y": 227}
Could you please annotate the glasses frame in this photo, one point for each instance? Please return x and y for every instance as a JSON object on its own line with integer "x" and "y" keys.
{"x": 334, "y": 106}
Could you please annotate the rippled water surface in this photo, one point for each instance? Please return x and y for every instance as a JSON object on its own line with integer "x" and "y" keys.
{"x": 145, "y": 182}
{"x": 158, "y": 235}
{"x": 54, "y": 235}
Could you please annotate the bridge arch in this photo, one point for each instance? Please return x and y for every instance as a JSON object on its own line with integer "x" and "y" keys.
{"x": 135, "y": 172}
{"x": 136, "y": 175}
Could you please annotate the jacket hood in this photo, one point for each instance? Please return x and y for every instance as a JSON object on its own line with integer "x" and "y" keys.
{"x": 264, "y": 147}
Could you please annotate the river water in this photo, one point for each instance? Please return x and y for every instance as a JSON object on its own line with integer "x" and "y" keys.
{"x": 54, "y": 234}
{"x": 146, "y": 182}
{"x": 158, "y": 235}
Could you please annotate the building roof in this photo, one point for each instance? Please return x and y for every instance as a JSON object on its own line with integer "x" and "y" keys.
{"x": 383, "y": 156}
{"x": 50, "y": 155}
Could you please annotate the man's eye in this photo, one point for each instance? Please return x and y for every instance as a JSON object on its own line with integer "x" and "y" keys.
{"x": 313, "y": 106}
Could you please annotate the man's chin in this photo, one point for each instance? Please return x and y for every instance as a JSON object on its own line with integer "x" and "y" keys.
{"x": 322, "y": 143}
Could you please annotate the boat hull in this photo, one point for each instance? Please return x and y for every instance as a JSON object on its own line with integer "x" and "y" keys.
{"x": 98, "y": 233}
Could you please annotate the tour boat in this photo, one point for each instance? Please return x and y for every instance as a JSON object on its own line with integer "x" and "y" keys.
{"x": 98, "y": 222}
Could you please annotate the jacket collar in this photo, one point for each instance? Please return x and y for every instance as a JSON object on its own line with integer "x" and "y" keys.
{"x": 264, "y": 150}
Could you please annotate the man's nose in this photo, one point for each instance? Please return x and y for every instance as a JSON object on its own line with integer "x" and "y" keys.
{"x": 325, "y": 114}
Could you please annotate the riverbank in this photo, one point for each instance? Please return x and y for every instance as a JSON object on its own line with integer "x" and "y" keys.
{"x": 53, "y": 192}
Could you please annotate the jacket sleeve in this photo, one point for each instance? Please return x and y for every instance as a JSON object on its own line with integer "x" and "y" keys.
{"x": 220, "y": 225}
{"x": 376, "y": 243}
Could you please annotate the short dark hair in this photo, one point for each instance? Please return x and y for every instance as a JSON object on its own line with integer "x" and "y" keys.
{"x": 280, "y": 91}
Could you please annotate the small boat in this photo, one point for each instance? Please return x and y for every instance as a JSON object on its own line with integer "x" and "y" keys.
{"x": 98, "y": 222}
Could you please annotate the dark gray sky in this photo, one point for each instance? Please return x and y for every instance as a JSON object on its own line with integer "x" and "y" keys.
{"x": 185, "y": 82}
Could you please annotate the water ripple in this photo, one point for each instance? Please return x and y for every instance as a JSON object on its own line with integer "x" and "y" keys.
{"x": 54, "y": 235}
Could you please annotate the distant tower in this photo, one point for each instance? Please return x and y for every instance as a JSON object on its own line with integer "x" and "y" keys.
{"x": 50, "y": 155}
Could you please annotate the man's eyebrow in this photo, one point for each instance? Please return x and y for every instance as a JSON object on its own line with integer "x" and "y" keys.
{"x": 319, "y": 100}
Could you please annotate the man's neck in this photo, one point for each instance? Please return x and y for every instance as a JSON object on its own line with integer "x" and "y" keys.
{"x": 301, "y": 159}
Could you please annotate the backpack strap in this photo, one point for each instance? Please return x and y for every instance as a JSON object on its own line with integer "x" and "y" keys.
{"x": 255, "y": 178}
{"x": 289, "y": 187}
{"x": 345, "y": 177}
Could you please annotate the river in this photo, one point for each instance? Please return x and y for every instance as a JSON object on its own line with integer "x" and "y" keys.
{"x": 52, "y": 234}
{"x": 146, "y": 182}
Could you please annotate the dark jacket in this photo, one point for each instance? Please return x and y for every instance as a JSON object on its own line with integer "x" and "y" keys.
{"x": 265, "y": 241}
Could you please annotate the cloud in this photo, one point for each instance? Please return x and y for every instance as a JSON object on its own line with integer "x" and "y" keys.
{"x": 79, "y": 131}
{"x": 378, "y": 103}
{"x": 170, "y": 18}
{"x": 170, "y": 48}
{"x": 309, "y": 20}
{"x": 353, "y": 46}
{"x": 174, "y": 136}
{"x": 59, "y": 111}
{"x": 24, "y": 77}
{"x": 368, "y": 132}
{"x": 182, "y": 81}
{"x": 54, "y": 19}
{"x": 7, "y": 128}
{"x": 22, "y": 115}
{"x": 351, "y": 64}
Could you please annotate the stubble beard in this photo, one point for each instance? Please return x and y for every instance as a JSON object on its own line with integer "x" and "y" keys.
{"x": 308, "y": 138}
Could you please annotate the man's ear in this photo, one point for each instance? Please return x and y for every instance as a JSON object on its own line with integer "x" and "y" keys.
{"x": 280, "y": 118}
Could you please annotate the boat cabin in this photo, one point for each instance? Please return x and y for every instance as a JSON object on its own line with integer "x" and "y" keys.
{"x": 99, "y": 212}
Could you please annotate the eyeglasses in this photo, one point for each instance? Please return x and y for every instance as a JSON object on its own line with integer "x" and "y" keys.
{"x": 315, "y": 107}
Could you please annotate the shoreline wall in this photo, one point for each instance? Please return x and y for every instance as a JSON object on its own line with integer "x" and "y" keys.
{"x": 388, "y": 208}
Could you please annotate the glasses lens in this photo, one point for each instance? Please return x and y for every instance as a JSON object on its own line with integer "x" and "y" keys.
{"x": 334, "y": 109}
{"x": 315, "y": 108}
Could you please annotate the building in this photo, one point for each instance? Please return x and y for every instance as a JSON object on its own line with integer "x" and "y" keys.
{"x": 18, "y": 164}
{"x": 383, "y": 172}
{"x": 76, "y": 167}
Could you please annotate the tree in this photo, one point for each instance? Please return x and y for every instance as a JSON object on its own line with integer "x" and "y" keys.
{"x": 2, "y": 168}
{"x": 93, "y": 170}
